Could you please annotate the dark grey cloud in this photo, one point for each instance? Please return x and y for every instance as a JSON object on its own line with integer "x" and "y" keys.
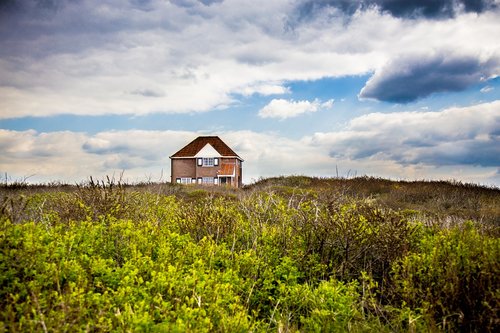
{"x": 432, "y": 8}
{"x": 144, "y": 5}
{"x": 37, "y": 28}
{"x": 409, "y": 78}
{"x": 193, "y": 3}
{"x": 121, "y": 150}
{"x": 399, "y": 8}
{"x": 468, "y": 152}
{"x": 108, "y": 148}
{"x": 484, "y": 153}
{"x": 43, "y": 8}
{"x": 210, "y": 2}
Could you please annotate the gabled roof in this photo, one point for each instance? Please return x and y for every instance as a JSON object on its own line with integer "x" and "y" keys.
{"x": 197, "y": 144}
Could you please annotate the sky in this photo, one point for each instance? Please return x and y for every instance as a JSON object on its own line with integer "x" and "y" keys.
{"x": 400, "y": 89}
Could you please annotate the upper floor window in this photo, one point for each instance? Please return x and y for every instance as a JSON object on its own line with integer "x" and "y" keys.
{"x": 208, "y": 161}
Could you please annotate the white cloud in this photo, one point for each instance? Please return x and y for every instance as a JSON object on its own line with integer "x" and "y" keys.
{"x": 139, "y": 58}
{"x": 76, "y": 156}
{"x": 457, "y": 143}
{"x": 264, "y": 89}
{"x": 487, "y": 89}
{"x": 282, "y": 108}
{"x": 73, "y": 156}
{"x": 455, "y": 136}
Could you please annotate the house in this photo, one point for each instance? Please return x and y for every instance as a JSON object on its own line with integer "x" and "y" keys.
{"x": 207, "y": 160}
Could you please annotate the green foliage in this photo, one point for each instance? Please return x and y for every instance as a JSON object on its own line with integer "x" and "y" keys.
{"x": 292, "y": 257}
{"x": 454, "y": 277}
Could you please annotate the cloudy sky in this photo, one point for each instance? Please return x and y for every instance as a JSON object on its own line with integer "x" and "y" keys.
{"x": 403, "y": 89}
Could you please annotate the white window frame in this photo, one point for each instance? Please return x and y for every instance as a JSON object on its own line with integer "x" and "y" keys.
{"x": 207, "y": 180}
{"x": 186, "y": 180}
{"x": 208, "y": 161}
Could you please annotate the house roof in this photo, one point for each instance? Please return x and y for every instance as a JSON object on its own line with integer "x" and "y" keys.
{"x": 197, "y": 144}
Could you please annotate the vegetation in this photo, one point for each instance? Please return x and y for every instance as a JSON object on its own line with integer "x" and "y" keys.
{"x": 284, "y": 254}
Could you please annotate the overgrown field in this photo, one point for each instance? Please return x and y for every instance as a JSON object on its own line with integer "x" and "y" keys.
{"x": 283, "y": 255}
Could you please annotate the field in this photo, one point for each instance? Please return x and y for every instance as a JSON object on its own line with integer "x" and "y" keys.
{"x": 285, "y": 254}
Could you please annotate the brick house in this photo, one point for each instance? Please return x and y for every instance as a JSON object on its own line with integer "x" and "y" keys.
{"x": 206, "y": 160}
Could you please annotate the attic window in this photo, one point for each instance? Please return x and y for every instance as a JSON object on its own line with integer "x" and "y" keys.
{"x": 208, "y": 161}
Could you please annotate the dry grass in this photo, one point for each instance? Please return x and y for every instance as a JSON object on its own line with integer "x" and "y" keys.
{"x": 448, "y": 202}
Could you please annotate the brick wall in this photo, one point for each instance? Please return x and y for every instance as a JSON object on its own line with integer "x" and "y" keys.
{"x": 207, "y": 171}
{"x": 185, "y": 167}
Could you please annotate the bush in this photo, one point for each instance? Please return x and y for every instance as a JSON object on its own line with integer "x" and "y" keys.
{"x": 454, "y": 277}
{"x": 301, "y": 254}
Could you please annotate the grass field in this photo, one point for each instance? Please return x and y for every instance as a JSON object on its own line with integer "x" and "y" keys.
{"x": 284, "y": 254}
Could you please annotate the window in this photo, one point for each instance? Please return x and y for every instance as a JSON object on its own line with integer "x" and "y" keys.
{"x": 208, "y": 161}
{"x": 185, "y": 180}
{"x": 208, "y": 180}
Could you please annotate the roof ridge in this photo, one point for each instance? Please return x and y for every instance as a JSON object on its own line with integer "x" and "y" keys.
{"x": 192, "y": 148}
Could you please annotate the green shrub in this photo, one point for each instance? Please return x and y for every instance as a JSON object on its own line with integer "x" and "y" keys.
{"x": 454, "y": 277}
{"x": 300, "y": 254}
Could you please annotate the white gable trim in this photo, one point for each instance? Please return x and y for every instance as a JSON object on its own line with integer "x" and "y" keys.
{"x": 208, "y": 151}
